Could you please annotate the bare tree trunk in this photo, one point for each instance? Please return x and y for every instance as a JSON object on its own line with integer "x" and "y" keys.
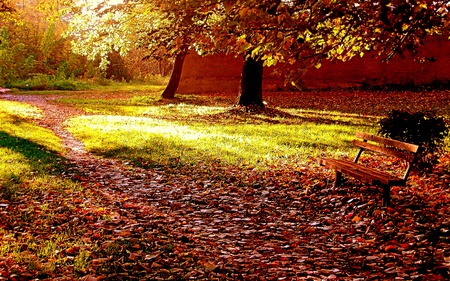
{"x": 251, "y": 83}
{"x": 174, "y": 81}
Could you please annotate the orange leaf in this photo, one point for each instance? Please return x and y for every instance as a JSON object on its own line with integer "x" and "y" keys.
{"x": 390, "y": 247}
{"x": 356, "y": 219}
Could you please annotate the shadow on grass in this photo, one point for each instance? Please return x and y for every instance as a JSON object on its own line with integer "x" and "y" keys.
{"x": 276, "y": 116}
{"x": 194, "y": 154}
{"x": 40, "y": 158}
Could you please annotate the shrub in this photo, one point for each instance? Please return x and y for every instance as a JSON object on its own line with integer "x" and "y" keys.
{"x": 64, "y": 85}
{"x": 102, "y": 81}
{"x": 156, "y": 79}
{"x": 42, "y": 82}
{"x": 421, "y": 128}
{"x": 37, "y": 83}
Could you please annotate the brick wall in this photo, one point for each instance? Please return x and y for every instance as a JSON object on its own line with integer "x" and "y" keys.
{"x": 221, "y": 73}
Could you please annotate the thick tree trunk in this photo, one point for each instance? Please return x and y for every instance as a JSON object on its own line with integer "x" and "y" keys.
{"x": 251, "y": 83}
{"x": 174, "y": 81}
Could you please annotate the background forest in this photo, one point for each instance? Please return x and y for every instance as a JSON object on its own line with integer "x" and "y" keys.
{"x": 35, "y": 54}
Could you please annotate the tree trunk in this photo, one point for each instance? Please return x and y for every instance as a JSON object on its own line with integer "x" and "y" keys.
{"x": 251, "y": 83}
{"x": 174, "y": 81}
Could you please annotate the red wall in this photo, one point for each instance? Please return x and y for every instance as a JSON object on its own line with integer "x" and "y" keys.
{"x": 221, "y": 73}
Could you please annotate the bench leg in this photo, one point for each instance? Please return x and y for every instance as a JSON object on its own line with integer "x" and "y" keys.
{"x": 338, "y": 179}
{"x": 386, "y": 195}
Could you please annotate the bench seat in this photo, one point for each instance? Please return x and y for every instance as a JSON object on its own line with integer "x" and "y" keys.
{"x": 362, "y": 173}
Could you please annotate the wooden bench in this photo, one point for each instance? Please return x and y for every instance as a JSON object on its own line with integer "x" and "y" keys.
{"x": 405, "y": 151}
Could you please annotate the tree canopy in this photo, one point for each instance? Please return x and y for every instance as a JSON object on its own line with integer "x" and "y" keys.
{"x": 5, "y": 6}
{"x": 7, "y": 11}
{"x": 267, "y": 31}
{"x": 294, "y": 30}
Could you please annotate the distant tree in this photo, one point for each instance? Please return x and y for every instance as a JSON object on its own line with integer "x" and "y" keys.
{"x": 99, "y": 29}
{"x": 31, "y": 44}
{"x": 7, "y": 12}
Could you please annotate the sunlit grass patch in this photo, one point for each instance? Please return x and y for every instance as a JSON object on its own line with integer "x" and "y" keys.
{"x": 31, "y": 157}
{"x": 119, "y": 86}
{"x": 19, "y": 110}
{"x": 149, "y": 104}
{"x": 195, "y": 128}
{"x": 163, "y": 142}
{"x": 174, "y": 111}
{"x": 16, "y": 119}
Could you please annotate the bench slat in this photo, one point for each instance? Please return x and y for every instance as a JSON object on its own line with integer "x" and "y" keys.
{"x": 390, "y": 142}
{"x": 383, "y": 150}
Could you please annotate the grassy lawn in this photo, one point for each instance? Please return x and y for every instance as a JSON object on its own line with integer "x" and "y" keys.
{"x": 25, "y": 147}
{"x": 191, "y": 129}
{"x": 196, "y": 129}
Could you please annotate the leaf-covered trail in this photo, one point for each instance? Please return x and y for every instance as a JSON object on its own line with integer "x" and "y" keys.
{"x": 223, "y": 223}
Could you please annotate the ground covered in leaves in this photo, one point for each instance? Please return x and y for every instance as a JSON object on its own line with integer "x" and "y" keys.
{"x": 209, "y": 222}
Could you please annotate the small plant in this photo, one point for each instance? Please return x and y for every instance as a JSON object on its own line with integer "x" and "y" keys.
{"x": 102, "y": 81}
{"x": 421, "y": 128}
{"x": 81, "y": 262}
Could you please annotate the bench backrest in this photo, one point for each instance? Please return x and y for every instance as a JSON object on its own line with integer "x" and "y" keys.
{"x": 402, "y": 150}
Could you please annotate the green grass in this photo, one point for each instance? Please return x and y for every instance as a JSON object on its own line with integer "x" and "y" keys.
{"x": 28, "y": 152}
{"x": 155, "y": 142}
{"x": 204, "y": 128}
{"x": 123, "y": 87}
{"x": 191, "y": 129}
{"x": 24, "y": 146}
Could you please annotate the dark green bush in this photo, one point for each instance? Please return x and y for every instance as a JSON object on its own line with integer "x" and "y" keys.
{"x": 42, "y": 82}
{"x": 422, "y": 128}
{"x": 64, "y": 85}
{"x": 38, "y": 82}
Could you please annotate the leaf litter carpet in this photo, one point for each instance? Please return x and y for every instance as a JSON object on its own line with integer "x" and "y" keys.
{"x": 224, "y": 223}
